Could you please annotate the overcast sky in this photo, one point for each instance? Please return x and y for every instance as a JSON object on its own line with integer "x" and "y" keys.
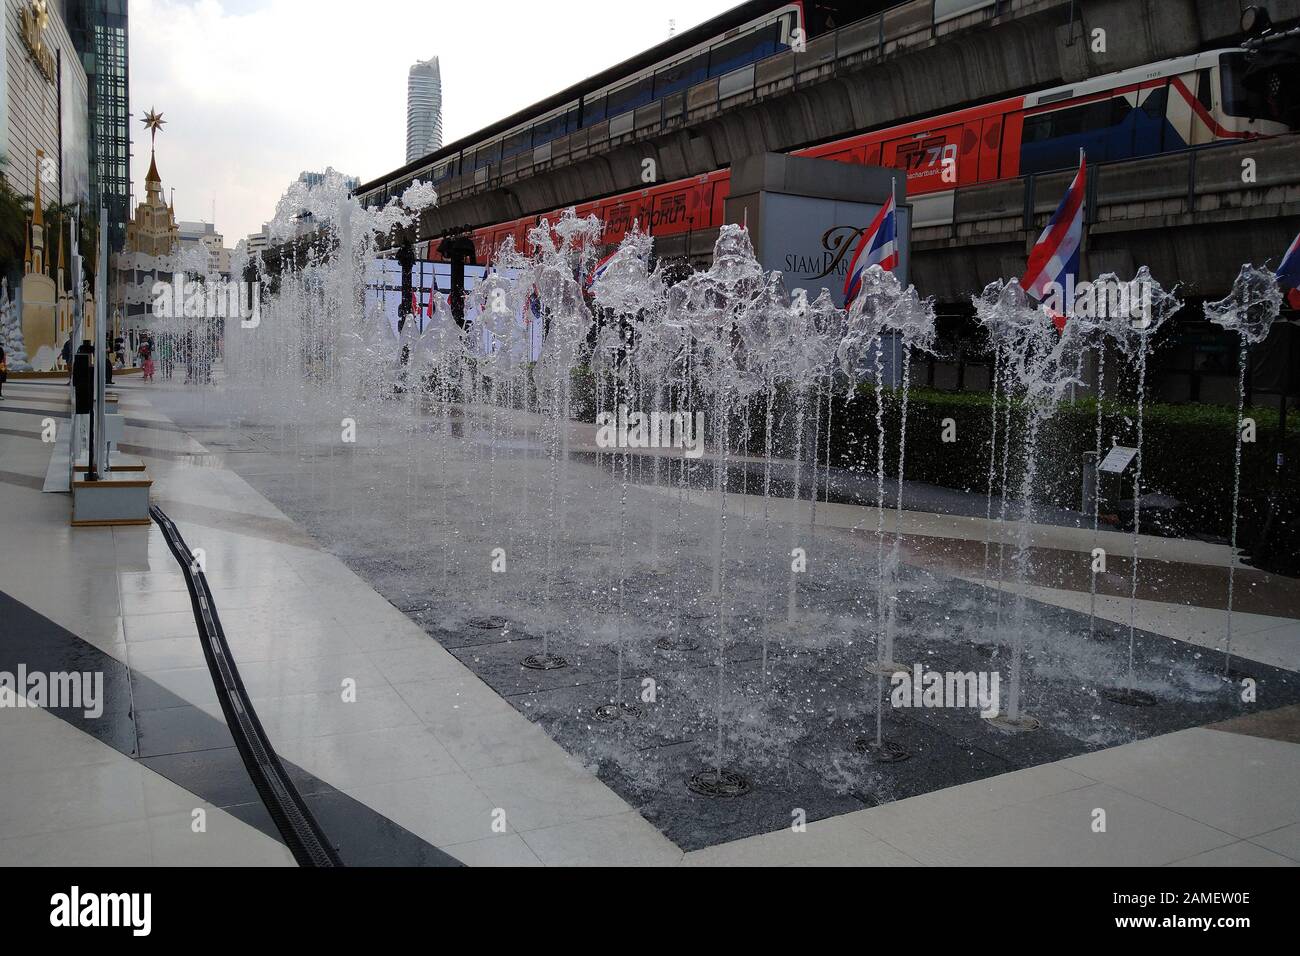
{"x": 256, "y": 91}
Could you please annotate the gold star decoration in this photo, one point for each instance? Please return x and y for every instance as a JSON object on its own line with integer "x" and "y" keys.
{"x": 153, "y": 122}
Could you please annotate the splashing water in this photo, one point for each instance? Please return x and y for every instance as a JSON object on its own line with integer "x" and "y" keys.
{"x": 1249, "y": 310}
{"x": 475, "y": 435}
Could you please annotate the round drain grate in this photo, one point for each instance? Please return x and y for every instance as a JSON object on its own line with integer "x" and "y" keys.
{"x": 714, "y": 783}
{"x": 544, "y": 662}
{"x": 609, "y": 713}
{"x": 1017, "y": 725}
{"x": 1130, "y": 698}
{"x": 886, "y": 752}
{"x": 680, "y": 644}
{"x": 491, "y": 623}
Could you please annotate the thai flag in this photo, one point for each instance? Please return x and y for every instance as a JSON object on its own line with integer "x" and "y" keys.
{"x": 877, "y": 247}
{"x": 600, "y": 268}
{"x": 1056, "y": 254}
{"x": 1288, "y": 273}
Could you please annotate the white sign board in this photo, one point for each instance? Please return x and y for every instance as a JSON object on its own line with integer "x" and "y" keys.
{"x": 1117, "y": 459}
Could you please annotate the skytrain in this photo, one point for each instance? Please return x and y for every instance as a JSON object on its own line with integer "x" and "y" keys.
{"x": 1166, "y": 106}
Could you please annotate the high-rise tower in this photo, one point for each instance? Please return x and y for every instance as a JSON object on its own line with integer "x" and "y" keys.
{"x": 423, "y": 109}
{"x": 99, "y": 33}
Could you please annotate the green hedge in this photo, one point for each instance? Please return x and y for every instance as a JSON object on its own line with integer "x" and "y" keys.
{"x": 1187, "y": 450}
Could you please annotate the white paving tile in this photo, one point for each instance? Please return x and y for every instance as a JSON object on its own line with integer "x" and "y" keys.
{"x": 1054, "y": 830}
{"x": 153, "y": 627}
{"x": 167, "y": 654}
{"x": 224, "y": 841}
{"x": 1284, "y": 840}
{"x": 113, "y": 844}
{"x": 444, "y": 810}
{"x": 1239, "y": 784}
{"x": 832, "y": 842}
{"x": 507, "y": 849}
{"x": 449, "y": 700}
{"x": 493, "y": 740}
{"x": 421, "y": 662}
{"x": 317, "y": 715}
{"x": 32, "y": 739}
{"x": 371, "y": 757}
{"x": 546, "y": 792}
{"x": 70, "y": 796}
{"x": 624, "y": 839}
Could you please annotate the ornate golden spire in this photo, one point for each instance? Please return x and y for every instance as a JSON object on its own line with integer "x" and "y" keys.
{"x": 153, "y": 121}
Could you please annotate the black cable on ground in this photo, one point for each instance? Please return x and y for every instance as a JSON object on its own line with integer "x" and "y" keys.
{"x": 302, "y": 834}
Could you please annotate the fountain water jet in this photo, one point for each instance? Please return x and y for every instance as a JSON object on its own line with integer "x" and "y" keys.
{"x": 1249, "y": 310}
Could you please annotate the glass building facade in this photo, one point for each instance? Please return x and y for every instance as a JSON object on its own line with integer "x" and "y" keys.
{"x": 99, "y": 33}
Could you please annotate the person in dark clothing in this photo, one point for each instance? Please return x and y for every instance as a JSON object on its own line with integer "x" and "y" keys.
{"x": 4, "y": 371}
{"x": 83, "y": 378}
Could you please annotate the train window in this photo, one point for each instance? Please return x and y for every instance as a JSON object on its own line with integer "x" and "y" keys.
{"x": 1149, "y": 129}
{"x": 1068, "y": 122}
{"x": 1205, "y": 89}
{"x": 736, "y": 53}
{"x": 516, "y": 143}
{"x": 1081, "y": 119}
{"x": 1237, "y": 99}
{"x": 681, "y": 75}
{"x": 593, "y": 109}
{"x": 548, "y": 129}
{"x": 1037, "y": 128}
{"x": 1053, "y": 140}
{"x": 1154, "y": 104}
{"x": 630, "y": 97}
{"x": 486, "y": 155}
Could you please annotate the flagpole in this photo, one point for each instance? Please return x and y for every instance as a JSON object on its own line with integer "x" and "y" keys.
{"x": 1083, "y": 238}
{"x": 896, "y": 348}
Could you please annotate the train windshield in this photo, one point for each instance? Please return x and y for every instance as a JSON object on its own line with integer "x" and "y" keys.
{"x": 1238, "y": 98}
